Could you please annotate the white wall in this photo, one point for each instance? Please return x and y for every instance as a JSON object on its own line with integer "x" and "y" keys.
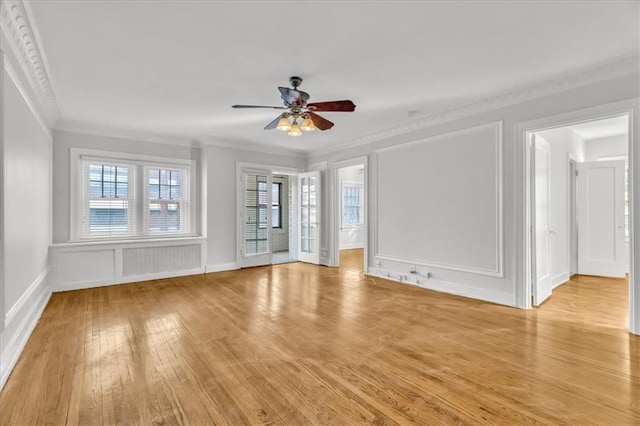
{"x": 606, "y": 147}
{"x": 506, "y": 289}
{"x": 564, "y": 144}
{"x": 26, "y": 233}
{"x": 221, "y": 198}
{"x": 351, "y": 237}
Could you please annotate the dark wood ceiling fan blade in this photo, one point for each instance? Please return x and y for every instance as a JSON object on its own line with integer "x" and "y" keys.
{"x": 257, "y": 106}
{"x": 273, "y": 124}
{"x": 344, "y": 106}
{"x": 320, "y": 122}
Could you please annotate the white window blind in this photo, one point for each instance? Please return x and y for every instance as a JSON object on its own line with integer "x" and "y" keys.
{"x": 106, "y": 204}
{"x": 133, "y": 199}
{"x": 352, "y": 205}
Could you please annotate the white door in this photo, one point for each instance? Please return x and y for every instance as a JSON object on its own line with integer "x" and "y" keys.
{"x": 256, "y": 218}
{"x": 309, "y": 217}
{"x": 601, "y": 244}
{"x": 542, "y": 201}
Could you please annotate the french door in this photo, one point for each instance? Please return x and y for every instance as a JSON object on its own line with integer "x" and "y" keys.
{"x": 256, "y": 218}
{"x": 309, "y": 217}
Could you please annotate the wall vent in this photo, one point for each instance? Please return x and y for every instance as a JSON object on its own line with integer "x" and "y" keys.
{"x": 152, "y": 260}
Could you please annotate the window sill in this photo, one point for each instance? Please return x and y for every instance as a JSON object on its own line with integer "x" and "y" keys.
{"x": 130, "y": 241}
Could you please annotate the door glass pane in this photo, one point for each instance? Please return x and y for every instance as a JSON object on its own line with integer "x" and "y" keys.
{"x": 256, "y": 211}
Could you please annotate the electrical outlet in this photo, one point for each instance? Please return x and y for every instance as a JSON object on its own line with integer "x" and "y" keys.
{"x": 412, "y": 269}
{"x": 378, "y": 263}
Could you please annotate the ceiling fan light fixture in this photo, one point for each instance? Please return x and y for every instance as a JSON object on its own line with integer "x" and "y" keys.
{"x": 295, "y": 130}
{"x": 307, "y": 125}
{"x": 283, "y": 124}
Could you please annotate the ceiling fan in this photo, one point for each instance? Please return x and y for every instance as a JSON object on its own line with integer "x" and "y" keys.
{"x": 297, "y": 107}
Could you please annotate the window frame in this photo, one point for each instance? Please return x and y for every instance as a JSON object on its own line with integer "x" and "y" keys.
{"x": 279, "y": 205}
{"x": 138, "y": 193}
{"x": 360, "y": 187}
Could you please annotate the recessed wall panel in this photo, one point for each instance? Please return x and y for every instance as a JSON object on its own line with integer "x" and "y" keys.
{"x": 439, "y": 201}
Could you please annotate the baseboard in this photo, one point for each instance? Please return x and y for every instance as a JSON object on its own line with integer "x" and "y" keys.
{"x": 498, "y": 297}
{"x": 560, "y": 279}
{"x": 17, "y": 307}
{"x": 351, "y": 246}
{"x": 20, "y": 336}
{"x": 219, "y": 267}
{"x": 81, "y": 285}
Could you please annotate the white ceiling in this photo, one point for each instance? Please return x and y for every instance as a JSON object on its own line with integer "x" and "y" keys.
{"x": 174, "y": 67}
{"x": 608, "y": 127}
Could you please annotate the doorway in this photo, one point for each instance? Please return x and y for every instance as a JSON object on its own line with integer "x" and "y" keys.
{"x": 266, "y": 225}
{"x": 579, "y": 203}
{"x": 350, "y": 214}
{"x": 281, "y": 213}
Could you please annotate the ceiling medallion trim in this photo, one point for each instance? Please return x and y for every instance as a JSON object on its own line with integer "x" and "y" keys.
{"x": 561, "y": 82}
{"x": 22, "y": 38}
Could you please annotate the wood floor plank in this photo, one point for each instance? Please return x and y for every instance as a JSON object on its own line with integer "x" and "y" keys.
{"x": 297, "y": 344}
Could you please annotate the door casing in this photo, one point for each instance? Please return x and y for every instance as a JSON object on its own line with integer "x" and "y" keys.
{"x": 523, "y": 187}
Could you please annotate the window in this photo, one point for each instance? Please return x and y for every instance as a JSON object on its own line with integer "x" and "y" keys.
{"x": 124, "y": 198}
{"x": 276, "y": 204}
{"x": 352, "y": 205}
{"x": 107, "y": 206}
{"x": 165, "y": 204}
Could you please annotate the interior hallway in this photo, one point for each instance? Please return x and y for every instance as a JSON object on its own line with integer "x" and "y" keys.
{"x": 302, "y": 344}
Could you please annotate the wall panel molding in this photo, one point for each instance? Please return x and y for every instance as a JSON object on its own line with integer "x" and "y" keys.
{"x": 22, "y": 36}
{"x": 498, "y": 270}
{"x": 38, "y": 294}
{"x": 36, "y": 285}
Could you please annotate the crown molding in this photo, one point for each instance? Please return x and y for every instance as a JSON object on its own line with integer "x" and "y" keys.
{"x": 110, "y": 132}
{"x": 205, "y": 140}
{"x": 558, "y": 83}
{"x": 22, "y": 37}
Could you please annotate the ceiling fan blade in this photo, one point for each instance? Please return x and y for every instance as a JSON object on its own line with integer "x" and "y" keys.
{"x": 273, "y": 124}
{"x": 290, "y": 96}
{"x": 320, "y": 122}
{"x": 344, "y": 106}
{"x": 257, "y": 106}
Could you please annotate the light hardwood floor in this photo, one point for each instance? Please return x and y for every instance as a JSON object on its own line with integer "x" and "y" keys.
{"x": 299, "y": 344}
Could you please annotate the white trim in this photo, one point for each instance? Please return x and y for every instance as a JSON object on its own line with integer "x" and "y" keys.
{"x": 220, "y": 267}
{"x": 22, "y": 37}
{"x": 618, "y": 67}
{"x": 498, "y": 271}
{"x": 499, "y": 297}
{"x": 2, "y": 180}
{"x": 35, "y": 285}
{"x": 522, "y": 190}
{"x": 559, "y": 279}
{"x": 27, "y": 99}
{"x": 15, "y": 345}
